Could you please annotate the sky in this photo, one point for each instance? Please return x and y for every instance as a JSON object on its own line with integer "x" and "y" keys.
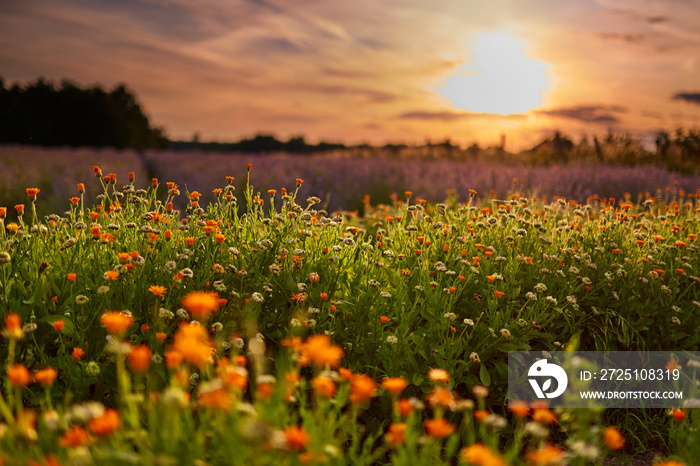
{"x": 377, "y": 71}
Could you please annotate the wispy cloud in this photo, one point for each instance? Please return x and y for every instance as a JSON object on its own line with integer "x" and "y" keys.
{"x": 691, "y": 97}
{"x": 599, "y": 114}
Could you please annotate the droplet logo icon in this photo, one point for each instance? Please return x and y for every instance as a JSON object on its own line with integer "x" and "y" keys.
{"x": 543, "y": 368}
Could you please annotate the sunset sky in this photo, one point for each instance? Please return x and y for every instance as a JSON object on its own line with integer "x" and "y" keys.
{"x": 374, "y": 70}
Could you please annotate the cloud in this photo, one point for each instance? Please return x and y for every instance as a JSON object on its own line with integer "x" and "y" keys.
{"x": 603, "y": 114}
{"x": 690, "y": 97}
{"x": 625, "y": 37}
{"x": 446, "y": 116}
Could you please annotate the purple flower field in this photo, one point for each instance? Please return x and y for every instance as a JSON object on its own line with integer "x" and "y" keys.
{"x": 341, "y": 182}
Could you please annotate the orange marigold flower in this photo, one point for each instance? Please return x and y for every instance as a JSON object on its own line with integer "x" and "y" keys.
{"x": 160, "y": 336}
{"x": 549, "y": 455}
{"x": 216, "y": 399}
{"x": 544, "y": 416}
{"x": 438, "y": 428}
{"x": 384, "y": 319}
{"x": 440, "y": 396}
{"x": 46, "y": 377}
{"x": 345, "y": 373}
{"x": 76, "y": 436}
{"x": 173, "y": 359}
{"x": 670, "y": 463}
{"x": 158, "y": 290}
{"x": 481, "y": 414}
{"x": 362, "y": 388}
{"x": 200, "y": 304}
{"x": 439, "y": 375}
{"x": 490, "y": 278}
{"x": 13, "y": 326}
{"x": 189, "y": 240}
{"x": 140, "y": 358}
{"x": 18, "y": 375}
{"x": 319, "y": 350}
{"x": 519, "y": 408}
{"x": 395, "y": 385}
{"x": 111, "y": 275}
{"x": 323, "y": 386}
{"x": 678, "y": 415}
{"x": 297, "y": 437}
{"x": 20, "y": 209}
{"x": 613, "y": 439}
{"x": 77, "y": 353}
{"x": 405, "y": 407}
{"x": 106, "y": 424}
{"x": 72, "y": 277}
{"x": 479, "y": 454}
{"x": 680, "y": 244}
{"x": 32, "y": 192}
{"x": 3, "y": 212}
{"x": 58, "y": 325}
{"x": 497, "y": 293}
{"x": 194, "y": 344}
{"x": 396, "y": 434}
{"x": 116, "y": 322}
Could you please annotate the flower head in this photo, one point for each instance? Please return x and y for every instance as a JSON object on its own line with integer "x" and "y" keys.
{"x": 613, "y": 439}
{"x": 439, "y": 428}
{"x": 158, "y": 290}
{"x": 106, "y": 424}
{"x": 200, "y": 304}
{"x": 116, "y": 322}
{"x": 479, "y": 454}
{"x": 46, "y": 377}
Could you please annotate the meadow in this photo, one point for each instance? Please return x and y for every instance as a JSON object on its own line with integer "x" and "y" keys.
{"x": 226, "y": 312}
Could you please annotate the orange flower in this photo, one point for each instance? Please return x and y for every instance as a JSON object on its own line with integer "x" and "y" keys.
{"x": 217, "y": 399}
{"x": 77, "y": 353}
{"x": 106, "y": 424}
{"x": 384, "y": 319}
{"x": 396, "y": 435}
{"x": 613, "y": 439}
{"x": 296, "y": 437}
{"x": 76, "y": 436}
{"x": 19, "y": 375}
{"x": 58, "y": 325}
{"x": 323, "y": 386}
{"x": 362, "y": 388}
{"x": 479, "y": 454}
{"x": 481, "y": 414}
{"x": 324, "y": 296}
{"x": 544, "y": 416}
{"x": 160, "y": 336}
{"x": 173, "y": 359}
{"x": 394, "y": 385}
{"x": 497, "y": 293}
{"x": 140, "y": 358}
{"x": 440, "y": 396}
{"x": 194, "y": 344}
{"x": 404, "y": 407}
{"x": 158, "y": 290}
{"x": 20, "y": 209}
{"x": 490, "y": 278}
{"x": 438, "y": 428}
{"x": 116, "y": 322}
{"x": 672, "y": 364}
{"x": 32, "y": 192}
{"x": 319, "y": 350}
{"x": 678, "y": 415}
{"x": 3, "y": 212}
{"x": 680, "y": 244}
{"x": 13, "y": 326}
{"x": 670, "y": 463}
{"x": 201, "y": 304}
{"x": 111, "y": 275}
{"x": 72, "y": 277}
{"x": 439, "y": 375}
{"x": 46, "y": 377}
{"x": 549, "y": 455}
{"x": 519, "y": 408}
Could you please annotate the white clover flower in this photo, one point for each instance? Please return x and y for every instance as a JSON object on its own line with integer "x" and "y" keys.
{"x": 531, "y": 296}
{"x": 475, "y": 357}
{"x": 392, "y": 339}
{"x": 506, "y": 333}
{"x": 469, "y": 322}
{"x": 540, "y": 288}
{"x": 385, "y": 294}
{"x": 295, "y": 322}
{"x": 675, "y": 320}
{"x": 257, "y": 297}
{"x": 451, "y": 316}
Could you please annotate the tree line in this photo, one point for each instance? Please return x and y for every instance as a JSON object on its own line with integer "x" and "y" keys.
{"x": 42, "y": 113}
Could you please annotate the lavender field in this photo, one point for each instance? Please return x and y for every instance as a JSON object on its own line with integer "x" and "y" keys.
{"x": 340, "y": 181}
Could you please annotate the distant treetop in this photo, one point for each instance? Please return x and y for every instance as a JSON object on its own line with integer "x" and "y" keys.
{"x": 44, "y": 114}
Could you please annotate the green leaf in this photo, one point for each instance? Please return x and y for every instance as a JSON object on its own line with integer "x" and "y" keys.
{"x": 484, "y": 375}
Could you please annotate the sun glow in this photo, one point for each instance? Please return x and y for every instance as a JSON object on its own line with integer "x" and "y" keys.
{"x": 499, "y": 79}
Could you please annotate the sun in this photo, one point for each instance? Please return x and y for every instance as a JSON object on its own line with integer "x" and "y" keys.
{"x": 499, "y": 79}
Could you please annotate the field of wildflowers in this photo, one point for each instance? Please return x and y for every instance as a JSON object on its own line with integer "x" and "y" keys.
{"x": 260, "y": 328}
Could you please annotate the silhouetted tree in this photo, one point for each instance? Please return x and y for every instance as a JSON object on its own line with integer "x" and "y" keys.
{"x": 67, "y": 115}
